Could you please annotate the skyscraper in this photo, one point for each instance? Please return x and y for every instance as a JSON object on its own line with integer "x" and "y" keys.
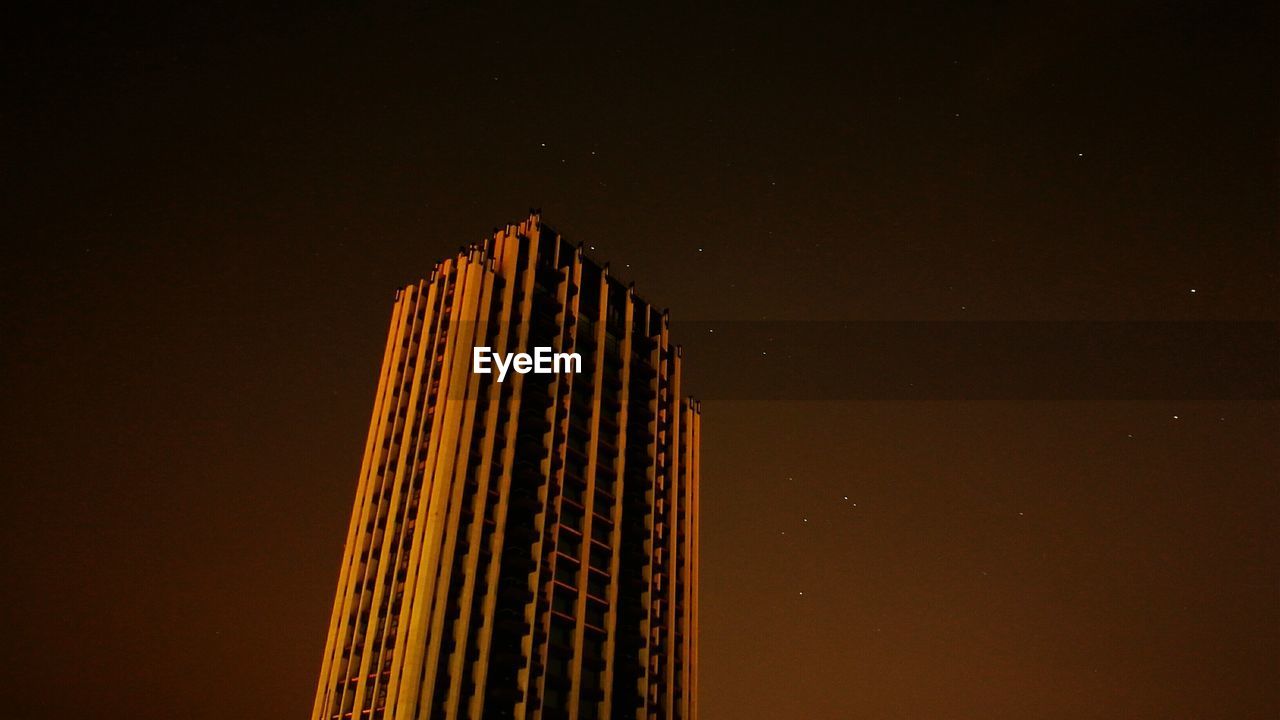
{"x": 525, "y": 548}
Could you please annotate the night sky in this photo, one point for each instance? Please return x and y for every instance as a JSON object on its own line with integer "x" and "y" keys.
{"x": 208, "y": 212}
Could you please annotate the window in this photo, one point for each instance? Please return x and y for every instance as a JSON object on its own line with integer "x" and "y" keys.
{"x": 600, "y": 558}
{"x": 571, "y": 516}
{"x": 595, "y": 614}
{"x": 566, "y": 572}
{"x": 573, "y": 490}
{"x": 569, "y": 544}
{"x": 597, "y": 586}
{"x": 601, "y": 531}
{"x": 561, "y": 633}
{"x": 552, "y": 699}
{"x": 557, "y": 666}
{"x": 562, "y": 602}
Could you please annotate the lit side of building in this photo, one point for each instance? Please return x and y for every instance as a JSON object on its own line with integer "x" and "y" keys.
{"x": 529, "y": 548}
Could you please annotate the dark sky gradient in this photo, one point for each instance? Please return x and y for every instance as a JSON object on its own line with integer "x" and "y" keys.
{"x": 208, "y": 211}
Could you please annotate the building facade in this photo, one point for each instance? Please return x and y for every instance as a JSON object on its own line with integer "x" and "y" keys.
{"x": 525, "y": 548}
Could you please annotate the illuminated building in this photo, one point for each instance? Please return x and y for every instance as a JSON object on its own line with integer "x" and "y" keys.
{"x": 526, "y": 548}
